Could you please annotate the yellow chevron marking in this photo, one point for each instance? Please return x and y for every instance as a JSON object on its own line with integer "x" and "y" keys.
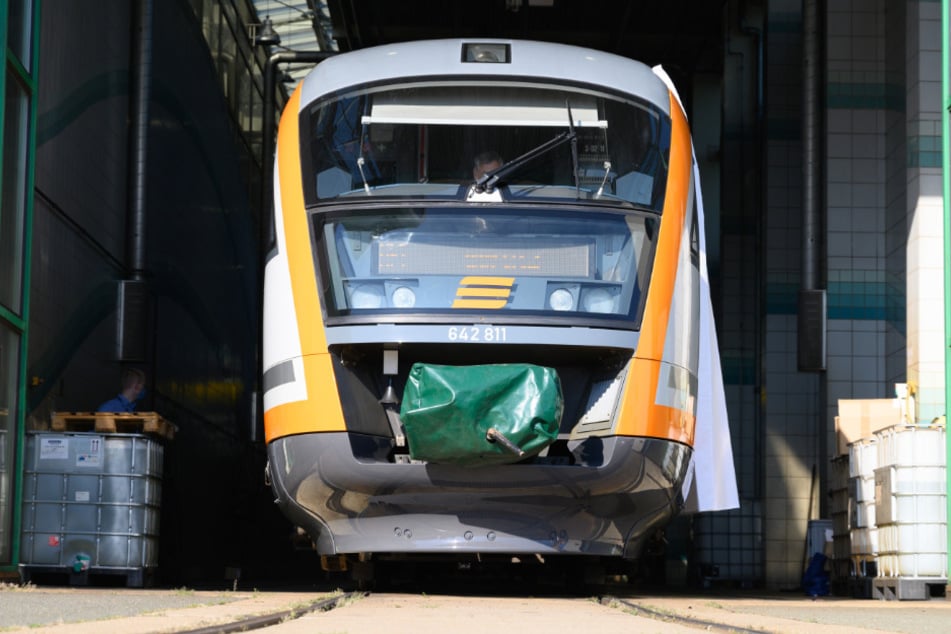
{"x": 483, "y": 292}
{"x": 478, "y": 280}
{"x": 473, "y": 287}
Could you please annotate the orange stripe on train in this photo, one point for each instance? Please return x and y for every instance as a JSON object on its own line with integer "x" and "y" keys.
{"x": 302, "y": 416}
{"x": 639, "y": 415}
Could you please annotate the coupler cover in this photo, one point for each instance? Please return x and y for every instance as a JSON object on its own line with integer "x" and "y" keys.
{"x": 480, "y": 414}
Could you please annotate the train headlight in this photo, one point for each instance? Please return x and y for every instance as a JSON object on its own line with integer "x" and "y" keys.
{"x": 598, "y": 300}
{"x": 404, "y": 297}
{"x": 367, "y": 296}
{"x": 561, "y": 299}
{"x": 486, "y": 53}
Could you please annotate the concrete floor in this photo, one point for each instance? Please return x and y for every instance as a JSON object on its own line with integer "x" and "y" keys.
{"x": 43, "y": 610}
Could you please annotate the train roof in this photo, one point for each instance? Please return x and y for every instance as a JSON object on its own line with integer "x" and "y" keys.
{"x": 527, "y": 60}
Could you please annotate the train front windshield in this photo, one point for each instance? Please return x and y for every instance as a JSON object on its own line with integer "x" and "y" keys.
{"x": 573, "y": 183}
{"x": 426, "y": 141}
{"x": 512, "y": 260}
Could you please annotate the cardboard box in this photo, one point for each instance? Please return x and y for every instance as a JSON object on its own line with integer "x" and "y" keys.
{"x": 859, "y": 419}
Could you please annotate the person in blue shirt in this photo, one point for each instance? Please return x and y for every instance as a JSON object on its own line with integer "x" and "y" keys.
{"x": 133, "y": 389}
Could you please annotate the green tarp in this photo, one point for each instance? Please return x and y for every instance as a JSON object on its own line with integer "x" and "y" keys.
{"x": 480, "y": 414}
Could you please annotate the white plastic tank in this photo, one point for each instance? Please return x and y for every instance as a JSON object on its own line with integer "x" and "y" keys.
{"x": 910, "y": 502}
{"x": 863, "y": 459}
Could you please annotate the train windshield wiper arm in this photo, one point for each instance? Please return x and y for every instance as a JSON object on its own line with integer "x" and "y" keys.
{"x": 489, "y": 181}
{"x": 574, "y": 150}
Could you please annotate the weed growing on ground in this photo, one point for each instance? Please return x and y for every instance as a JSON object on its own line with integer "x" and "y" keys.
{"x": 16, "y": 587}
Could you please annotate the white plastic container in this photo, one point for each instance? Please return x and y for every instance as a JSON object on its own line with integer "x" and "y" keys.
{"x": 862, "y": 489}
{"x": 928, "y": 565}
{"x": 913, "y": 550}
{"x": 864, "y": 541}
{"x": 931, "y": 509}
{"x": 907, "y": 445}
{"x": 911, "y": 480}
{"x": 863, "y": 514}
{"x": 900, "y": 502}
{"x": 863, "y": 458}
{"x": 922, "y": 538}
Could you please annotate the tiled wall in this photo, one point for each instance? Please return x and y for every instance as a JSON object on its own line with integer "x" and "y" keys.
{"x": 857, "y": 98}
{"x": 925, "y": 321}
{"x": 882, "y": 238}
{"x": 790, "y": 406}
{"x": 728, "y": 545}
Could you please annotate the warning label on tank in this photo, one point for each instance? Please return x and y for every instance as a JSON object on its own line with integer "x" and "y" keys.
{"x": 90, "y": 455}
{"x": 54, "y": 449}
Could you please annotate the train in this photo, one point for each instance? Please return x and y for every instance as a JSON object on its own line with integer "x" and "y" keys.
{"x": 483, "y": 304}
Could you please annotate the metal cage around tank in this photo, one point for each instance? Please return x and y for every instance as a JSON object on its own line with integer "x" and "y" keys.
{"x": 91, "y": 504}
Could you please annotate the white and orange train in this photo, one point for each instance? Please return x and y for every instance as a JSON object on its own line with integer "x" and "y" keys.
{"x": 408, "y": 280}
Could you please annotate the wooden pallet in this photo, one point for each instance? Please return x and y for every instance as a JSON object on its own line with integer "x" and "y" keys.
{"x": 9, "y": 576}
{"x": 113, "y": 423}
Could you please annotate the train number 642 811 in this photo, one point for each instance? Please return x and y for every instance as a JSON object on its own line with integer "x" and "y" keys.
{"x": 477, "y": 334}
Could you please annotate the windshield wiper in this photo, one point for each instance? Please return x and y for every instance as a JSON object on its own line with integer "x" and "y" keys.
{"x": 574, "y": 150}
{"x": 363, "y": 143}
{"x": 489, "y": 181}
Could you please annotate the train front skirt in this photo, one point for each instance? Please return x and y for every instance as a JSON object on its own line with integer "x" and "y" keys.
{"x": 626, "y": 488}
